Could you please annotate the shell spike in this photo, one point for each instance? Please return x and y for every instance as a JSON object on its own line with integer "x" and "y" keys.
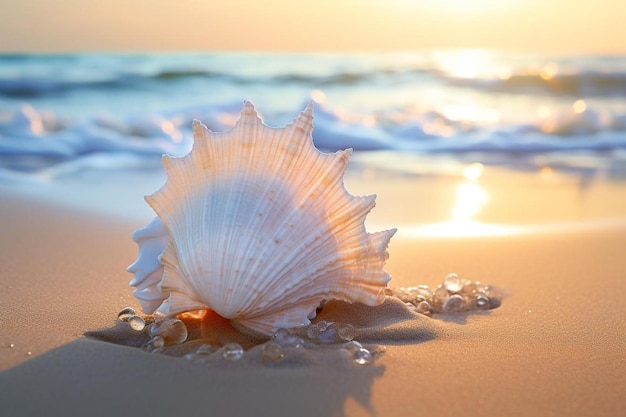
{"x": 248, "y": 115}
{"x": 303, "y": 123}
{"x": 199, "y": 129}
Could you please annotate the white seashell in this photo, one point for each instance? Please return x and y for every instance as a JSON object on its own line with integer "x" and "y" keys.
{"x": 256, "y": 224}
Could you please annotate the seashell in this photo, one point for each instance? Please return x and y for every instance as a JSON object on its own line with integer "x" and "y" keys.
{"x": 256, "y": 224}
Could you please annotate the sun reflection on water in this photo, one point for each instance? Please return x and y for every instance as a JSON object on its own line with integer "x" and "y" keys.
{"x": 470, "y": 199}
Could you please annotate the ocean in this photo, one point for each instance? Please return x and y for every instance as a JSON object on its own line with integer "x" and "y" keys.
{"x": 410, "y": 113}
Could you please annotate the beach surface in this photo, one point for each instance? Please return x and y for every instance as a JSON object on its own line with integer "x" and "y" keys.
{"x": 556, "y": 346}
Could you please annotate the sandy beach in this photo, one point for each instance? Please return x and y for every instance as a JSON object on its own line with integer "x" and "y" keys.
{"x": 555, "y": 347}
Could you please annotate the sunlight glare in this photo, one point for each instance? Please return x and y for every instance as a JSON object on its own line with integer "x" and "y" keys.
{"x": 579, "y": 106}
{"x": 474, "y": 171}
{"x": 549, "y": 71}
{"x": 470, "y": 199}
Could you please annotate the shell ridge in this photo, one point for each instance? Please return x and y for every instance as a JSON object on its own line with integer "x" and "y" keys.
{"x": 283, "y": 271}
{"x": 254, "y": 129}
{"x": 326, "y": 272}
{"x": 313, "y": 237}
{"x": 212, "y": 211}
{"x": 273, "y": 151}
{"x": 256, "y": 216}
{"x": 314, "y": 267}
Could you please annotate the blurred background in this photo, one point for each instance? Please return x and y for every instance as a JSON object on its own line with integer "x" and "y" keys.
{"x": 415, "y": 87}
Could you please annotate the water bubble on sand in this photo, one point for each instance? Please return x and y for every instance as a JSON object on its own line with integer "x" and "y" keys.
{"x": 295, "y": 342}
{"x": 126, "y": 313}
{"x": 345, "y": 332}
{"x": 205, "y": 349}
{"x": 453, "y": 283}
{"x": 272, "y": 351}
{"x": 158, "y": 342}
{"x": 482, "y": 288}
{"x": 232, "y": 351}
{"x": 173, "y": 331}
{"x": 281, "y": 334}
{"x": 313, "y": 332}
{"x": 362, "y": 356}
{"x": 482, "y": 302}
{"x": 323, "y": 325}
{"x": 424, "y": 308}
{"x": 285, "y": 339}
{"x": 202, "y": 354}
{"x": 441, "y": 295}
{"x": 454, "y": 304}
{"x": 137, "y": 323}
{"x": 425, "y": 292}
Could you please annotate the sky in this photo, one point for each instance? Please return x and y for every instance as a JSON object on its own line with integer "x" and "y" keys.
{"x": 535, "y": 26}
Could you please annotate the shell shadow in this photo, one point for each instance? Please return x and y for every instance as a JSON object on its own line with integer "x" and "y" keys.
{"x": 88, "y": 377}
{"x": 315, "y": 380}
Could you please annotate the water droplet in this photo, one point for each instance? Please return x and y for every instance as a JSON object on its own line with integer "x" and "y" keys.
{"x": 157, "y": 342}
{"x": 483, "y": 302}
{"x": 454, "y": 304}
{"x": 285, "y": 339}
{"x": 313, "y": 331}
{"x": 482, "y": 288}
{"x": 11, "y": 345}
{"x": 281, "y": 334}
{"x": 345, "y": 332}
{"x": 322, "y": 325}
{"x": 29, "y": 353}
{"x": 205, "y": 349}
{"x": 424, "y": 308}
{"x": 453, "y": 283}
{"x": 173, "y": 331}
{"x": 232, "y": 351}
{"x": 295, "y": 342}
{"x": 362, "y": 356}
{"x": 352, "y": 346}
{"x": 137, "y": 323}
{"x": 272, "y": 351}
{"x": 441, "y": 295}
{"x": 425, "y": 290}
{"x": 126, "y": 313}
{"x": 469, "y": 287}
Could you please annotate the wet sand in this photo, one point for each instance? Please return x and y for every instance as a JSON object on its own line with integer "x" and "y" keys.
{"x": 554, "y": 347}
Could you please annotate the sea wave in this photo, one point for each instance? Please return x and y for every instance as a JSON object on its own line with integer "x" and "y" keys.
{"x": 587, "y": 84}
{"x": 33, "y": 140}
{"x": 64, "y": 110}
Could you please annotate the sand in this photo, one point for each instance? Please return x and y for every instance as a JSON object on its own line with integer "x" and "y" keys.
{"x": 556, "y": 345}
